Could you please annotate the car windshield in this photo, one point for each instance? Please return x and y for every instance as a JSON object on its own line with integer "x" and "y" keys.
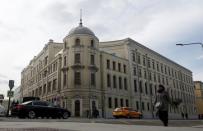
{"x": 26, "y": 103}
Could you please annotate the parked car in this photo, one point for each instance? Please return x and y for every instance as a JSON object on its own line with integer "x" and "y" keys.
{"x": 126, "y": 112}
{"x": 2, "y": 110}
{"x": 35, "y": 109}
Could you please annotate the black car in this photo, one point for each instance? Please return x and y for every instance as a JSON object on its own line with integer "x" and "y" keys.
{"x": 35, "y": 109}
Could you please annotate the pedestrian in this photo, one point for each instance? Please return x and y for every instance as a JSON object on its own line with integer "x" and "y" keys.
{"x": 162, "y": 104}
{"x": 182, "y": 114}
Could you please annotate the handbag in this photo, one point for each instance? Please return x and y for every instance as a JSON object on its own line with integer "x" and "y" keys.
{"x": 158, "y": 105}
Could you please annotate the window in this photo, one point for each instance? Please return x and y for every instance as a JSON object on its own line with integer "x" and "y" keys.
{"x": 114, "y": 65}
{"x": 54, "y": 84}
{"x": 64, "y": 78}
{"x": 140, "y": 86}
{"x": 92, "y": 60}
{"x": 124, "y": 68}
{"x": 77, "y": 78}
{"x": 44, "y": 88}
{"x": 133, "y": 56}
{"x": 110, "y": 102}
{"x": 115, "y": 102}
{"x": 77, "y": 42}
{"x": 92, "y": 43}
{"x": 125, "y": 84}
{"x": 119, "y": 67}
{"x": 93, "y": 83}
{"x": 46, "y": 60}
{"x": 135, "y": 85}
{"x": 77, "y": 58}
{"x": 144, "y": 63}
{"x": 108, "y": 64}
{"x": 148, "y": 63}
{"x": 137, "y": 105}
{"x": 120, "y": 83}
{"x": 108, "y": 80}
{"x": 64, "y": 60}
{"x": 153, "y": 66}
{"x": 140, "y": 72}
{"x": 143, "y": 107}
{"x": 150, "y": 89}
{"x": 127, "y": 103}
{"x": 148, "y": 106}
{"x": 139, "y": 61}
{"x": 49, "y": 87}
{"x": 121, "y": 102}
{"x": 134, "y": 71}
{"x": 157, "y": 65}
{"x": 146, "y": 88}
{"x": 114, "y": 82}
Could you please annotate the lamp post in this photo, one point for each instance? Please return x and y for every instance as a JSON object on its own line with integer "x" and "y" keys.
{"x": 180, "y": 44}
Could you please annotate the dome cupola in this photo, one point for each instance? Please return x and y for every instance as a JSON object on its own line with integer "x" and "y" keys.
{"x": 80, "y": 30}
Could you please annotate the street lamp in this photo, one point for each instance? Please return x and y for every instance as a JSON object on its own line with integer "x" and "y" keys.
{"x": 191, "y": 44}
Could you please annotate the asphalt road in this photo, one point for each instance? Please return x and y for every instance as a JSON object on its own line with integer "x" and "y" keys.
{"x": 145, "y": 122}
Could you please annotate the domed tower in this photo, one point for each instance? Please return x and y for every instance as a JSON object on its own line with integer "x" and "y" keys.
{"x": 81, "y": 74}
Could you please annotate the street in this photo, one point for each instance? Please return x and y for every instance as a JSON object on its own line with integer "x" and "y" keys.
{"x": 82, "y": 124}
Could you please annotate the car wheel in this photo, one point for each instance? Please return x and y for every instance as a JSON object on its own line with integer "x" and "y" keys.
{"x": 31, "y": 114}
{"x": 65, "y": 115}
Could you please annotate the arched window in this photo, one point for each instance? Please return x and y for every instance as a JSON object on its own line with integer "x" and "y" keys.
{"x": 92, "y": 43}
{"x": 77, "y": 42}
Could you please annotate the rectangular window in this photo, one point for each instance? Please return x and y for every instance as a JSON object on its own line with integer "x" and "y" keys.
{"x": 49, "y": 87}
{"x": 108, "y": 64}
{"x": 64, "y": 60}
{"x": 146, "y": 88}
{"x": 77, "y": 58}
{"x": 64, "y": 78}
{"x": 46, "y": 60}
{"x": 124, "y": 68}
{"x": 153, "y": 66}
{"x": 77, "y": 78}
{"x": 144, "y": 63}
{"x": 135, "y": 85}
{"x": 137, "y": 105}
{"x": 125, "y": 84}
{"x": 119, "y": 67}
{"x": 140, "y": 72}
{"x": 93, "y": 83}
{"x": 54, "y": 84}
{"x": 127, "y": 103}
{"x": 143, "y": 107}
{"x": 140, "y": 86}
{"x": 44, "y": 88}
{"x": 114, "y": 65}
{"x": 133, "y": 56}
{"x": 110, "y": 102}
{"x": 134, "y": 71}
{"x": 139, "y": 61}
{"x": 148, "y": 108}
{"x": 120, "y": 83}
{"x": 121, "y": 102}
{"x": 114, "y": 82}
{"x": 148, "y": 63}
{"x": 115, "y": 102}
{"x": 92, "y": 60}
{"x": 108, "y": 80}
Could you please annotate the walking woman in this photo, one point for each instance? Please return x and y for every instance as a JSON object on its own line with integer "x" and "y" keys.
{"x": 162, "y": 104}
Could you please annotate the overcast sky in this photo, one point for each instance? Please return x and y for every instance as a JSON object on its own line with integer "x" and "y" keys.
{"x": 27, "y": 25}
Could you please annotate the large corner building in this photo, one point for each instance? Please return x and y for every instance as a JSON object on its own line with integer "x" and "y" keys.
{"x": 82, "y": 74}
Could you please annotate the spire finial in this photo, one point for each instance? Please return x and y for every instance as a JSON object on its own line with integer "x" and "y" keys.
{"x": 80, "y": 17}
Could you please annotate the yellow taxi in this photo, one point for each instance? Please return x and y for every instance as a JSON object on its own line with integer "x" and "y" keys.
{"x": 126, "y": 112}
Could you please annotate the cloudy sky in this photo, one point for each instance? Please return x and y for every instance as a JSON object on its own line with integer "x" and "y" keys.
{"x": 27, "y": 25}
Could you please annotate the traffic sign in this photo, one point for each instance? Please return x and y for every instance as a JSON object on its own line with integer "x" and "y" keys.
{"x": 10, "y": 93}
